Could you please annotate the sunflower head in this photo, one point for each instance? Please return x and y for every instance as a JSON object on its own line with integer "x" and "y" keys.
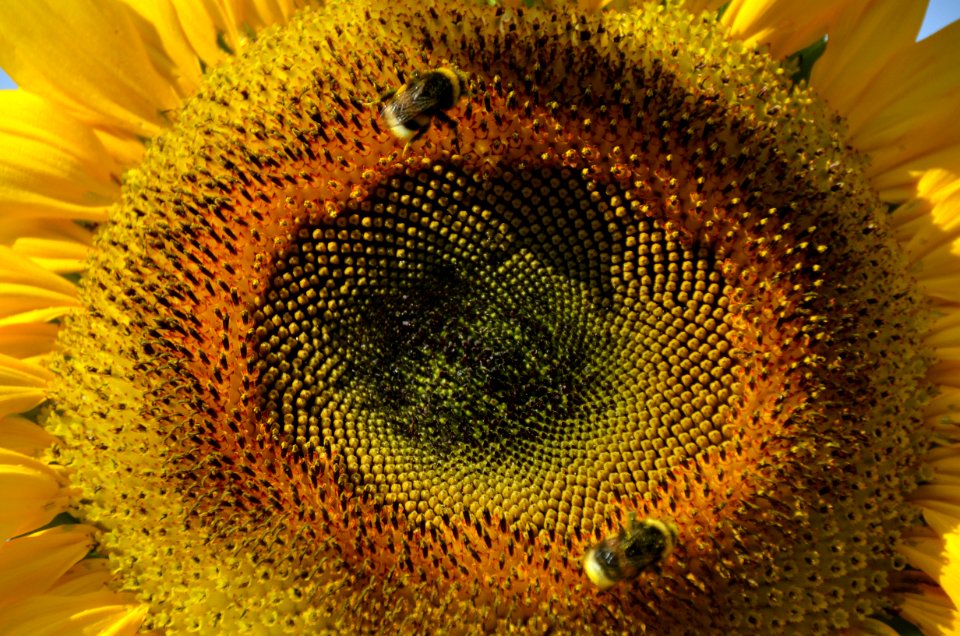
{"x": 374, "y": 348}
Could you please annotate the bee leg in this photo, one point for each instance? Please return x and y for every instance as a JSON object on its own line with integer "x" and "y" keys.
{"x": 452, "y": 124}
{"x": 416, "y": 135}
{"x": 384, "y": 96}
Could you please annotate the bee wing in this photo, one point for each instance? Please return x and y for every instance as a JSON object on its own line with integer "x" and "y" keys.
{"x": 398, "y": 111}
{"x": 409, "y": 104}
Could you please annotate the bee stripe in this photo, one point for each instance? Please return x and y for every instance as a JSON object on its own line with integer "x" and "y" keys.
{"x": 398, "y": 129}
{"x": 595, "y": 572}
{"x": 454, "y": 81}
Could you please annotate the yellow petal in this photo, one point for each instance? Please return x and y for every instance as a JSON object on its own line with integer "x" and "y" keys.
{"x": 124, "y": 149}
{"x": 27, "y": 340}
{"x": 112, "y": 80}
{"x": 19, "y": 299}
{"x": 945, "y": 459}
{"x": 928, "y": 228}
{"x": 193, "y": 35}
{"x": 23, "y": 436}
{"x": 207, "y": 24}
{"x": 863, "y": 39}
{"x": 943, "y": 412}
{"x": 187, "y": 33}
{"x": 31, "y": 494}
{"x": 786, "y": 27}
{"x": 27, "y": 287}
{"x": 11, "y": 230}
{"x": 906, "y": 118}
{"x": 932, "y": 611}
{"x": 32, "y": 316}
{"x": 35, "y": 503}
{"x": 123, "y": 623}
{"x": 939, "y": 556}
{"x": 88, "y": 575}
{"x": 90, "y": 579}
{"x": 93, "y": 614}
{"x": 944, "y": 337}
{"x": 62, "y": 257}
{"x": 258, "y": 13}
{"x": 698, "y": 6}
{"x": 942, "y": 516}
{"x": 51, "y": 165}
{"x": 165, "y": 44}
{"x": 873, "y": 627}
{"x": 23, "y": 385}
{"x": 30, "y": 565}
{"x": 945, "y": 334}
{"x": 933, "y": 495}
{"x": 932, "y": 216}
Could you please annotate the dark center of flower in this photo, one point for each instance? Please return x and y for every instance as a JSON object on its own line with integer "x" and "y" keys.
{"x": 507, "y": 326}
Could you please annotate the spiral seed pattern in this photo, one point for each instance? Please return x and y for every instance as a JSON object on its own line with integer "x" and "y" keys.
{"x": 649, "y": 279}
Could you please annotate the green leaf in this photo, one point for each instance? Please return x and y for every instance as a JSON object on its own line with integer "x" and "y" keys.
{"x": 902, "y": 626}
{"x": 804, "y": 60}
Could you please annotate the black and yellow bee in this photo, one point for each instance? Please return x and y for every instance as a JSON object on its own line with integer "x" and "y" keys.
{"x": 411, "y": 109}
{"x": 642, "y": 544}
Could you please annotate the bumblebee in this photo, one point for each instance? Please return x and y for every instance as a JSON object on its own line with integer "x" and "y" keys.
{"x": 411, "y": 109}
{"x": 642, "y": 544}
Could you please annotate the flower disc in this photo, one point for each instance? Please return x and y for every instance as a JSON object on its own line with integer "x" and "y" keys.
{"x": 343, "y": 388}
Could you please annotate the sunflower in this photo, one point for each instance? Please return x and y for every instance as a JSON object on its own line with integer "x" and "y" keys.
{"x": 650, "y": 326}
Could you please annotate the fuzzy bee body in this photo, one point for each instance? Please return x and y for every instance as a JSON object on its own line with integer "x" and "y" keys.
{"x": 642, "y": 544}
{"x": 410, "y": 110}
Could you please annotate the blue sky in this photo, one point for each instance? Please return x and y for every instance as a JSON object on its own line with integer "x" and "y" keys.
{"x": 939, "y": 13}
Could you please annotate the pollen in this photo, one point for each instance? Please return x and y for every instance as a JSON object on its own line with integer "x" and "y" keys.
{"x": 341, "y": 387}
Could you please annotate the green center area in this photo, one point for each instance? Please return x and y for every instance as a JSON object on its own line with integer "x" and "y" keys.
{"x": 470, "y": 359}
